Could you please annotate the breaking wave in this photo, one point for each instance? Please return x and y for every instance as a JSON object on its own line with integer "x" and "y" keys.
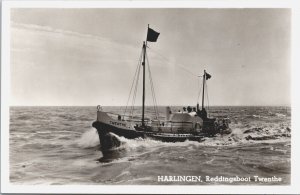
{"x": 89, "y": 139}
{"x": 59, "y": 146}
{"x": 241, "y": 134}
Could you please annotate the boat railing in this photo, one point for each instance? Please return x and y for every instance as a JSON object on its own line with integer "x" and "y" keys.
{"x": 173, "y": 135}
{"x": 127, "y": 117}
{"x": 177, "y": 125}
{"x": 174, "y": 124}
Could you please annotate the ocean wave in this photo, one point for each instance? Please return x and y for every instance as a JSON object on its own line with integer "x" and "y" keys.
{"x": 42, "y": 146}
{"x": 59, "y": 146}
{"x": 260, "y": 116}
{"x": 88, "y": 139}
{"x": 240, "y": 135}
{"x": 280, "y": 115}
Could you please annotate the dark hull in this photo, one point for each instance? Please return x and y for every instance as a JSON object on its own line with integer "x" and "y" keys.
{"x": 104, "y": 129}
{"x": 175, "y": 138}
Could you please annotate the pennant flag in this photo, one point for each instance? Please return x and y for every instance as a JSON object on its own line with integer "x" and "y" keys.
{"x": 152, "y": 35}
{"x": 207, "y": 76}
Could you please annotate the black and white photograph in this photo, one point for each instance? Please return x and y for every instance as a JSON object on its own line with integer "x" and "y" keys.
{"x": 155, "y": 96}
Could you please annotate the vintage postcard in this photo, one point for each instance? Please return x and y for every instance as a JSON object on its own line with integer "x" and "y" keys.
{"x": 156, "y": 97}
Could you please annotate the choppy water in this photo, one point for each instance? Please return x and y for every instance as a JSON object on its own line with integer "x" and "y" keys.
{"x": 57, "y": 145}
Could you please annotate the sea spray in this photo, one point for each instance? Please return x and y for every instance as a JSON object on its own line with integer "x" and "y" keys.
{"x": 89, "y": 139}
{"x": 75, "y": 159}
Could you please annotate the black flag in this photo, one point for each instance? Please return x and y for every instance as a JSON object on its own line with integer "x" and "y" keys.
{"x": 207, "y": 76}
{"x": 152, "y": 35}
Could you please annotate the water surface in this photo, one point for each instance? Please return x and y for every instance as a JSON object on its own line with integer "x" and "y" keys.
{"x": 57, "y": 145}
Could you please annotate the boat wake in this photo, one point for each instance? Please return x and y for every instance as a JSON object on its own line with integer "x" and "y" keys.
{"x": 70, "y": 153}
{"x": 129, "y": 149}
{"x": 241, "y": 134}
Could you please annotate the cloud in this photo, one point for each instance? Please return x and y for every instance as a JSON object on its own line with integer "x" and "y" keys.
{"x": 58, "y": 66}
{"x": 34, "y": 27}
{"x": 245, "y": 50}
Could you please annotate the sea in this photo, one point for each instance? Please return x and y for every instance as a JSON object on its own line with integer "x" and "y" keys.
{"x": 59, "y": 146}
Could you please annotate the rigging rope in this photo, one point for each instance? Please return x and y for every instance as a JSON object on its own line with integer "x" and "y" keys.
{"x": 207, "y": 96}
{"x": 176, "y": 65}
{"x": 200, "y": 88}
{"x": 134, "y": 85}
{"x": 135, "y": 92}
{"x": 133, "y": 81}
{"x": 134, "y": 88}
{"x": 152, "y": 89}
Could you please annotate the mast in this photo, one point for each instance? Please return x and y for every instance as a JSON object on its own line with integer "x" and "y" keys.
{"x": 151, "y": 37}
{"x": 144, "y": 67}
{"x": 203, "y": 89}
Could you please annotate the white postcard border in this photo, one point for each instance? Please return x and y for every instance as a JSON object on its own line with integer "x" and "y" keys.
{"x": 7, "y": 187}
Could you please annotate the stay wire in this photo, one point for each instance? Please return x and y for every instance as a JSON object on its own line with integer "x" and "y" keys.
{"x": 176, "y": 65}
{"x": 135, "y": 92}
{"x": 207, "y": 96}
{"x": 133, "y": 81}
{"x": 199, "y": 88}
{"x": 152, "y": 89}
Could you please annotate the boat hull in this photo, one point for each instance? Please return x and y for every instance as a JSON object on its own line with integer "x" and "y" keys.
{"x": 104, "y": 129}
{"x": 107, "y": 126}
{"x": 175, "y": 138}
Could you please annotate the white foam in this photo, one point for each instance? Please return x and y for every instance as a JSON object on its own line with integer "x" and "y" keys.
{"x": 89, "y": 139}
{"x": 237, "y": 137}
{"x": 133, "y": 144}
{"x": 280, "y": 115}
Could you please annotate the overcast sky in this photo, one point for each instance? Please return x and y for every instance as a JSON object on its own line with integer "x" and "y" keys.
{"x": 88, "y": 56}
